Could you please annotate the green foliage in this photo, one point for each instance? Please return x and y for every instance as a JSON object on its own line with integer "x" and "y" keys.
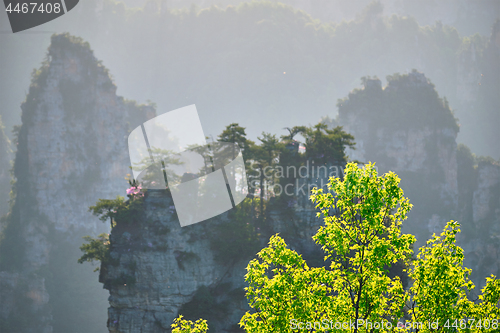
{"x": 362, "y": 238}
{"x": 264, "y": 158}
{"x": 489, "y": 306}
{"x": 234, "y": 133}
{"x": 97, "y": 249}
{"x": 325, "y": 145}
{"x": 408, "y": 100}
{"x": 268, "y": 160}
{"x": 441, "y": 283}
{"x": 186, "y": 326}
{"x": 108, "y": 208}
{"x": 116, "y": 210}
{"x": 120, "y": 210}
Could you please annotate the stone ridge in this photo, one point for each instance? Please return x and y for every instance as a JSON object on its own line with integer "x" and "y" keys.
{"x": 5, "y": 155}
{"x": 416, "y": 144}
{"x": 71, "y": 151}
{"x": 156, "y": 267}
{"x": 420, "y": 146}
{"x": 158, "y": 270}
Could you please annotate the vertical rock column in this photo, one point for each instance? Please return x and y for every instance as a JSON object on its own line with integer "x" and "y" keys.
{"x": 71, "y": 151}
{"x": 156, "y": 267}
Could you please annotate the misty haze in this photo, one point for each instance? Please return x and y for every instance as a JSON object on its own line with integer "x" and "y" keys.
{"x": 292, "y": 96}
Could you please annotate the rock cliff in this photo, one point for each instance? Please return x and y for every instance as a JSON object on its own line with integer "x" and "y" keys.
{"x": 407, "y": 128}
{"x": 158, "y": 270}
{"x": 480, "y": 214}
{"x": 5, "y": 156}
{"x": 71, "y": 150}
{"x": 158, "y": 267}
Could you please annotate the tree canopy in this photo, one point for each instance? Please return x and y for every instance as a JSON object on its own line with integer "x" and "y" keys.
{"x": 362, "y": 239}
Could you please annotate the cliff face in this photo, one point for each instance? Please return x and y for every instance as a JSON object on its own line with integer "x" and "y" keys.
{"x": 478, "y": 82}
{"x": 157, "y": 267}
{"x": 5, "y": 155}
{"x": 482, "y": 245}
{"x": 158, "y": 270}
{"x": 406, "y": 128}
{"x": 71, "y": 151}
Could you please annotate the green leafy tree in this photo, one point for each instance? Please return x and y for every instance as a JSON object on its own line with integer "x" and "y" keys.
{"x": 327, "y": 145}
{"x": 116, "y": 210}
{"x": 362, "y": 240}
{"x": 108, "y": 209}
{"x": 234, "y": 133}
{"x": 292, "y": 132}
{"x": 265, "y": 158}
{"x": 440, "y": 288}
{"x": 119, "y": 209}
{"x": 97, "y": 249}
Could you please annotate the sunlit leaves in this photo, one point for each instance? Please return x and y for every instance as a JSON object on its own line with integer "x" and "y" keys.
{"x": 187, "y": 326}
{"x": 362, "y": 239}
{"x": 441, "y": 284}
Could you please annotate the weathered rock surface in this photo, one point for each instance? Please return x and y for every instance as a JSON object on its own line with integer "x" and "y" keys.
{"x": 161, "y": 266}
{"x": 5, "y": 156}
{"x": 482, "y": 249}
{"x": 71, "y": 151}
{"x": 158, "y": 268}
{"x": 406, "y": 128}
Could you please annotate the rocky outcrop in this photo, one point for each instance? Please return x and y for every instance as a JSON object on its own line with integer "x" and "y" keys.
{"x": 71, "y": 151}
{"x": 481, "y": 242}
{"x": 5, "y": 155}
{"x": 158, "y": 270}
{"x": 157, "y": 267}
{"x": 406, "y": 128}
